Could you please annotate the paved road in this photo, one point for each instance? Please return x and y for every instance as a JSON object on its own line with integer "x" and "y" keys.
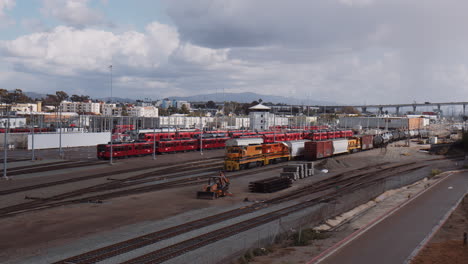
{"x": 393, "y": 240}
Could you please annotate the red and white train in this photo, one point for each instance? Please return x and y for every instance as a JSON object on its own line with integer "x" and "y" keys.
{"x": 171, "y": 142}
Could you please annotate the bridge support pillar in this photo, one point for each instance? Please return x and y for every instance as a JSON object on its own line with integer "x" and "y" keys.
{"x": 380, "y": 110}
{"x": 464, "y": 108}
{"x": 364, "y": 109}
{"x": 397, "y": 110}
{"x": 414, "y": 108}
{"x": 438, "y": 108}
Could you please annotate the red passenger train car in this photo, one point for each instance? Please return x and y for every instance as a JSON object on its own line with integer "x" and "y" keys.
{"x": 124, "y": 150}
{"x": 176, "y": 145}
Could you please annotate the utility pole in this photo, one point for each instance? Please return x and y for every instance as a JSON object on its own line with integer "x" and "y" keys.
{"x": 5, "y": 146}
{"x": 154, "y": 140}
{"x": 111, "y": 119}
{"x": 60, "y": 133}
{"x": 201, "y": 136}
{"x": 33, "y": 156}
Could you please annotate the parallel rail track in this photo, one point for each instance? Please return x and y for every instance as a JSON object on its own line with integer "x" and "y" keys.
{"x": 138, "y": 242}
{"x": 93, "y": 176}
{"x": 60, "y": 165}
{"x": 183, "y": 247}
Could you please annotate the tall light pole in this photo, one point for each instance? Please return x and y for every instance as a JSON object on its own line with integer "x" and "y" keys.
{"x": 201, "y": 136}
{"x": 5, "y": 146}
{"x": 33, "y": 156}
{"x": 154, "y": 139}
{"x": 111, "y": 120}
{"x": 60, "y": 132}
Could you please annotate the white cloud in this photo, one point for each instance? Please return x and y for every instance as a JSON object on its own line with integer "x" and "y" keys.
{"x": 74, "y": 13}
{"x": 6, "y": 5}
{"x": 357, "y": 2}
{"x": 348, "y": 51}
{"x": 70, "y": 51}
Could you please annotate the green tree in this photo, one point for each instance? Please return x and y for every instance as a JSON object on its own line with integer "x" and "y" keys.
{"x": 61, "y": 96}
{"x": 210, "y": 104}
{"x": 184, "y": 109}
{"x": 350, "y": 110}
{"x": 80, "y": 98}
{"x": 162, "y": 111}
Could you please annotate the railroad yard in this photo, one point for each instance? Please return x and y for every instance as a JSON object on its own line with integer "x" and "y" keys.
{"x": 145, "y": 210}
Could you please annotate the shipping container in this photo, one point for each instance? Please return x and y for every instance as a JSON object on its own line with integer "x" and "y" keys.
{"x": 314, "y": 150}
{"x": 340, "y": 146}
{"x": 296, "y": 148}
{"x": 244, "y": 141}
{"x": 367, "y": 142}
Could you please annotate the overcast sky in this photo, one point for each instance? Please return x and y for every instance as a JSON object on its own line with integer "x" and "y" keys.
{"x": 346, "y": 51}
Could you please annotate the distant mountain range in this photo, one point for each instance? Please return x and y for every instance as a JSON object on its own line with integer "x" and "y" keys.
{"x": 217, "y": 97}
{"x": 248, "y": 98}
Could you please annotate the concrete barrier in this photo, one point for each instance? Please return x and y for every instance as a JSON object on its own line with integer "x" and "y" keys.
{"x": 18, "y": 140}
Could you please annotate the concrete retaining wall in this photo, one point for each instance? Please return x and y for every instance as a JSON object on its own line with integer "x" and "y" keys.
{"x": 48, "y": 141}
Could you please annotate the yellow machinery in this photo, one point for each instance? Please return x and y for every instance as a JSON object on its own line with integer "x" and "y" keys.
{"x": 217, "y": 187}
{"x": 354, "y": 145}
{"x": 243, "y": 157}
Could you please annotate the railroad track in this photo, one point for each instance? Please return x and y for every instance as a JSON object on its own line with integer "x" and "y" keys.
{"x": 148, "y": 239}
{"x": 183, "y": 247}
{"x": 60, "y": 165}
{"x": 92, "y": 176}
{"x": 54, "y": 201}
{"x": 176, "y": 171}
{"x": 13, "y": 160}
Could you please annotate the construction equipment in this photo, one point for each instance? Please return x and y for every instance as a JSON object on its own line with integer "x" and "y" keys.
{"x": 217, "y": 187}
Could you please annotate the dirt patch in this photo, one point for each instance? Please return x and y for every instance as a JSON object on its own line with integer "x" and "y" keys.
{"x": 447, "y": 244}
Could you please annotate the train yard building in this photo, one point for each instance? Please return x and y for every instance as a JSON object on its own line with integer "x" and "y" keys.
{"x": 383, "y": 122}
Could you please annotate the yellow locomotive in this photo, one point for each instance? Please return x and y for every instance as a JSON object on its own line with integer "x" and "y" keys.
{"x": 242, "y": 157}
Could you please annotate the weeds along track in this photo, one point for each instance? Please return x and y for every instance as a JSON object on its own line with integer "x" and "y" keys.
{"x": 167, "y": 167}
{"x": 347, "y": 181}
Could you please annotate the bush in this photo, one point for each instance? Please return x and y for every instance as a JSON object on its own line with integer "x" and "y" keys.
{"x": 306, "y": 236}
{"x": 435, "y": 172}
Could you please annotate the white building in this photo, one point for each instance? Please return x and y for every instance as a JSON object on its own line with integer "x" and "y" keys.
{"x": 14, "y": 122}
{"x": 143, "y": 111}
{"x": 259, "y": 117}
{"x": 111, "y": 110}
{"x": 80, "y": 107}
{"x": 25, "y": 108}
